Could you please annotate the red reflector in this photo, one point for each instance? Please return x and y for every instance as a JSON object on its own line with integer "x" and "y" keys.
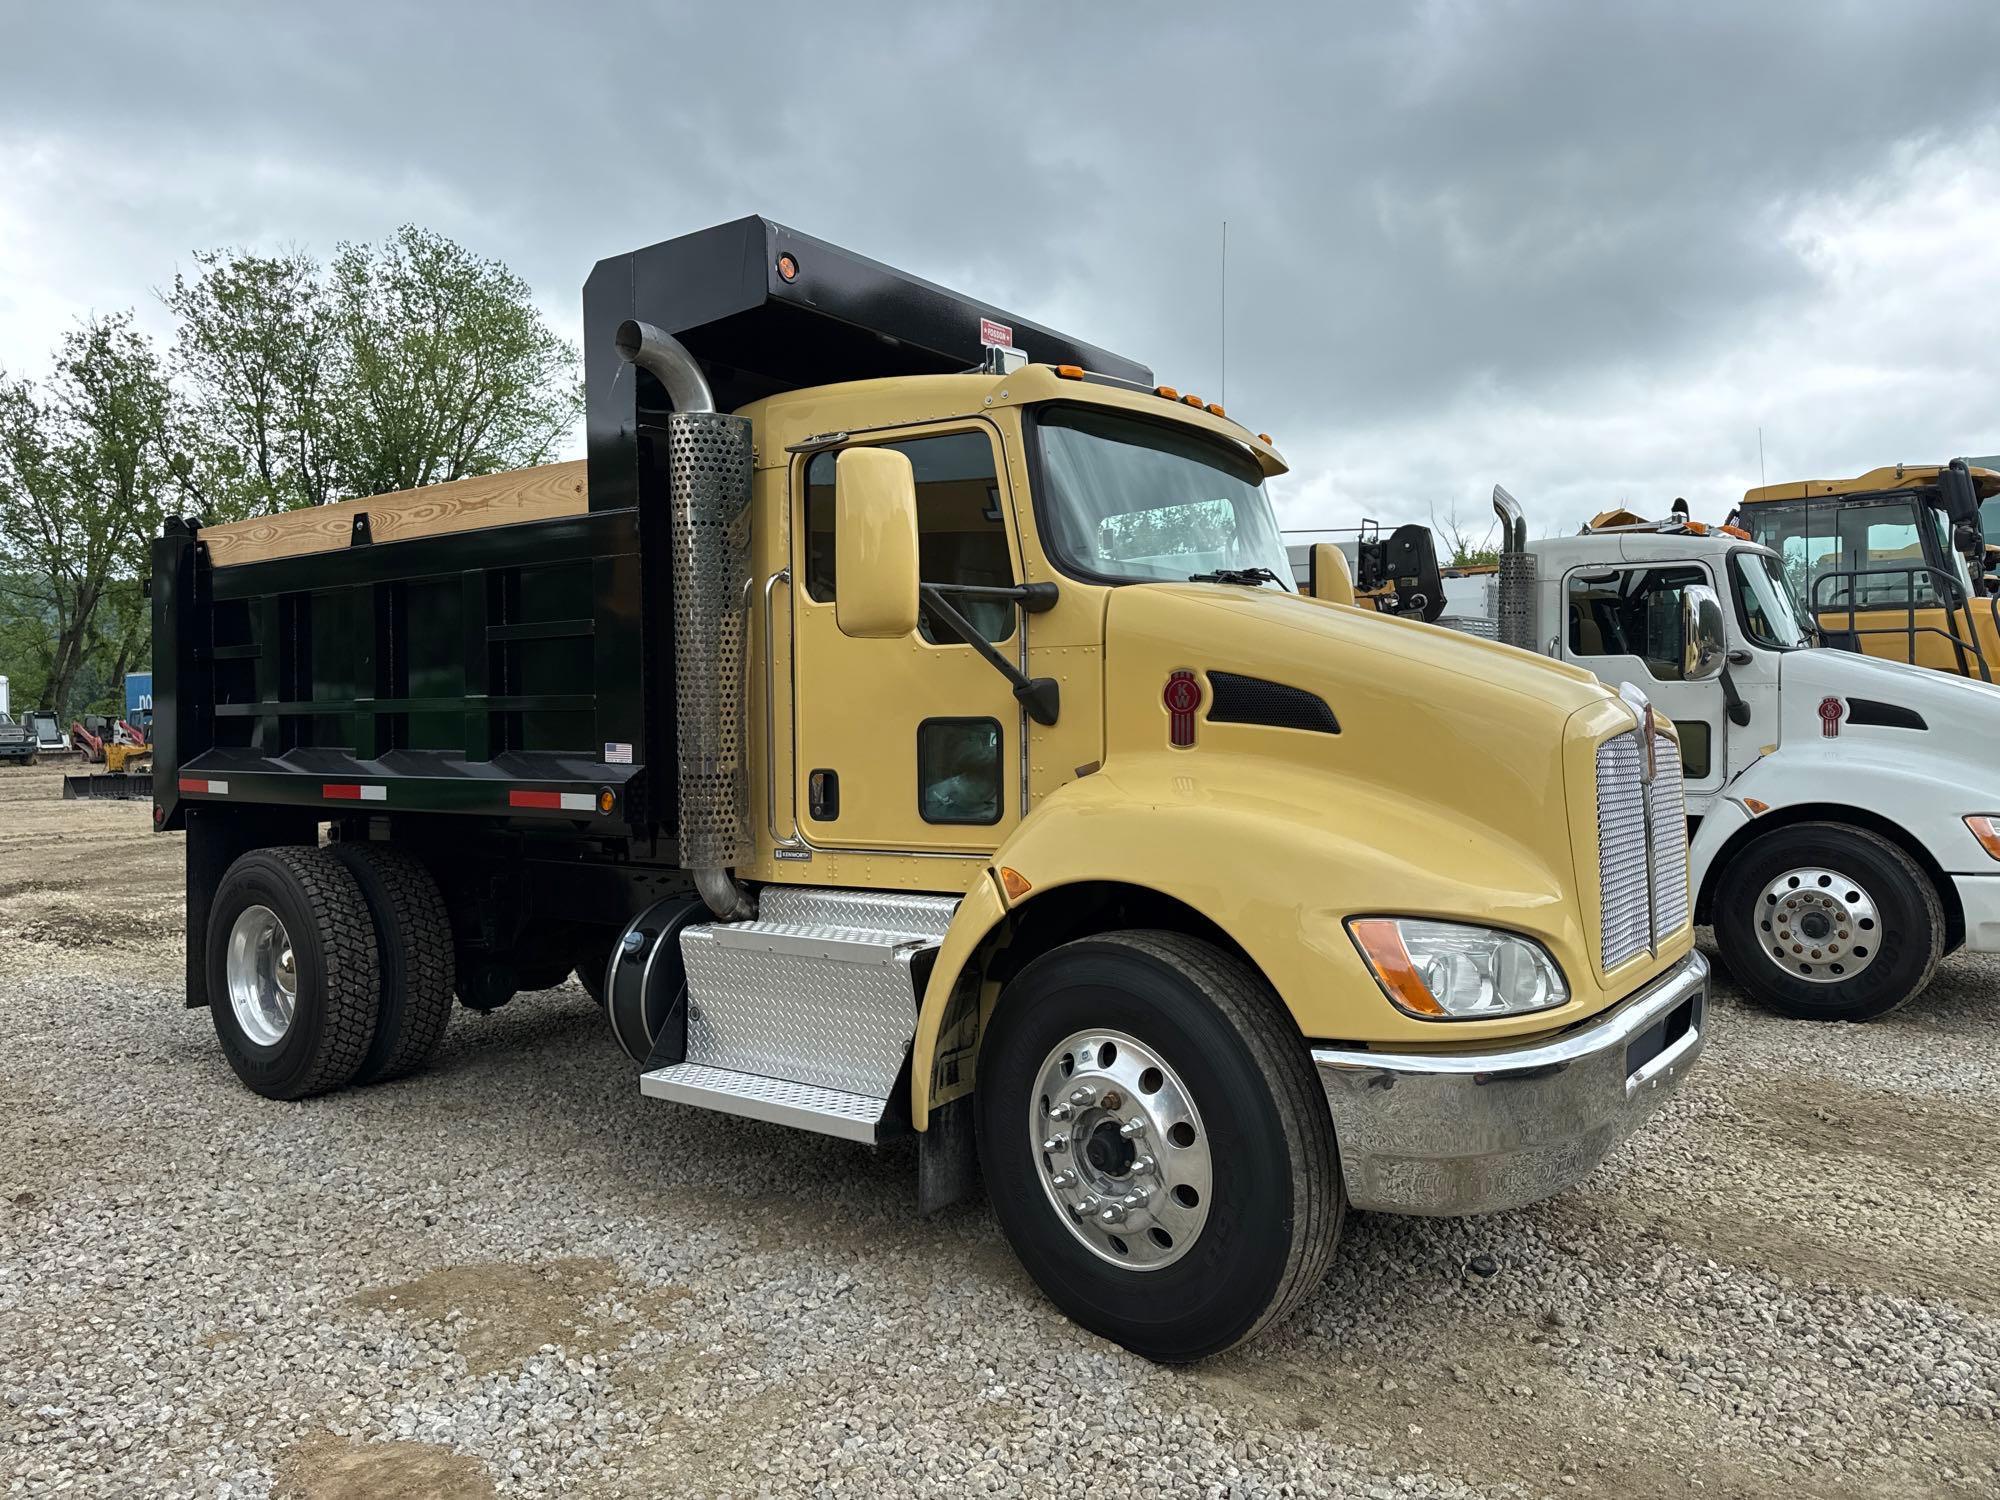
{"x": 335, "y": 793}
{"x": 1182, "y": 697}
{"x": 534, "y": 799}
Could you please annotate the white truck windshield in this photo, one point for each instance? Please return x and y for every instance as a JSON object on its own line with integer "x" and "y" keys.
{"x": 1764, "y": 605}
{"x": 1134, "y": 501}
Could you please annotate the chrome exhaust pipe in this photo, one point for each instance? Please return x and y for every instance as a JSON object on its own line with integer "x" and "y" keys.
{"x": 708, "y": 484}
{"x": 1516, "y": 606}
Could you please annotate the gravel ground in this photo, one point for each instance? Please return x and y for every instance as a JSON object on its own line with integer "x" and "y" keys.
{"x": 514, "y": 1275}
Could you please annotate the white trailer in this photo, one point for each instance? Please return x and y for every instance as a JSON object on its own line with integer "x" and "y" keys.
{"x": 1845, "y": 810}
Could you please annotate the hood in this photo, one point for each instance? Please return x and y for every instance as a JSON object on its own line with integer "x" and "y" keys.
{"x": 1425, "y": 715}
{"x": 1884, "y": 701}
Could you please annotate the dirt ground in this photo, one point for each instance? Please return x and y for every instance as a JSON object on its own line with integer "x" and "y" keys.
{"x": 1789, "y": 1285}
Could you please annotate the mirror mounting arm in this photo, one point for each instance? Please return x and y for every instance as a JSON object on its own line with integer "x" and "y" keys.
{"x": 1040, "y": 696}
{"x": 1737, "y": 709}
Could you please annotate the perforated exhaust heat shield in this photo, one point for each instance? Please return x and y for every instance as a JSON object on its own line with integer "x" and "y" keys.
{"x": 708, "y": 474}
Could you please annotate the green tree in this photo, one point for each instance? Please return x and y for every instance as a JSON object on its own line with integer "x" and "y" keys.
{"x": 445, "y": 367}
{"x": 257, "y": 346}
{"x": 86, "y": 467}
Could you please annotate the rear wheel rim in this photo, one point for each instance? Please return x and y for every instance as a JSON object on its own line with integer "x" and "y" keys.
{"x": 1818, "y": 925}
{"x": 1122, "y": 1152}
{"x": 263, "y": 975}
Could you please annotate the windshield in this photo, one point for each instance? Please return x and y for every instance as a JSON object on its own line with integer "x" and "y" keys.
{"x": 1134, "y": 501}
{"x": 1866, "y": 553}
{"x": 1764, "y": 606}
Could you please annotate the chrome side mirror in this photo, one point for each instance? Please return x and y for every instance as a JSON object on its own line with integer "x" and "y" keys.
{"x": 1704, "y": 635}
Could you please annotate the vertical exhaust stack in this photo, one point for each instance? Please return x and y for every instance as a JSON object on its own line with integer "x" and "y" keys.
{"x": 708, "y": 480}
{"x": 1517, "y": 574}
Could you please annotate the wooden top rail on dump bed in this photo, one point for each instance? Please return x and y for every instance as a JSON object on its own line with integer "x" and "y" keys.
{"x": 536, "y": 494}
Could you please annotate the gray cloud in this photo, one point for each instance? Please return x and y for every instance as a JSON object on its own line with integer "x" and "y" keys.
{"x": 1586, "y": 249}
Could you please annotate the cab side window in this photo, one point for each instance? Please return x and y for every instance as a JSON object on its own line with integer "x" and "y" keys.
{"x": 961, "y": 532}
{"x": 1632, "y": 612}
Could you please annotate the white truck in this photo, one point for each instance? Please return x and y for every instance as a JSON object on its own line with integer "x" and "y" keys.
{"x": 1844, "y": 810}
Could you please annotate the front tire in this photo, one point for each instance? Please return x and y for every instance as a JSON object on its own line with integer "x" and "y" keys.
{"x": 293, "y": 977}
{"x": 1826, "y": 922}
{"x": 1225, "y": 1195}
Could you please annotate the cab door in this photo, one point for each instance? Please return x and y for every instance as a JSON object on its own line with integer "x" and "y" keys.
{"x": 911, "y": 744}
{"x": 1623, "y": 623}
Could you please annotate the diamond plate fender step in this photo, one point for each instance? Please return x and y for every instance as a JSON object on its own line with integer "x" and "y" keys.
{"x": 853, "y": 1117}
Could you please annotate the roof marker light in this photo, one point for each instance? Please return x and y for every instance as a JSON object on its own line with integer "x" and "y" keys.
{"x": 1191, "y": 400}
{"x": 1266, "y": 439}
{"x": 1214, "y": 409}
{"x": 1168, "y": 391}
{"x": 1069, "y": 372}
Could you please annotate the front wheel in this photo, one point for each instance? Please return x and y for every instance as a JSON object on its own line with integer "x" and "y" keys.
{"x": 1156, "y": 1144}
{"x": 1825, "y": 922}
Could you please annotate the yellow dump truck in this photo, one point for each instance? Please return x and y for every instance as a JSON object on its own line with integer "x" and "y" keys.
{"x": 901, "y": 722}
{"x": 1892, "y": 563}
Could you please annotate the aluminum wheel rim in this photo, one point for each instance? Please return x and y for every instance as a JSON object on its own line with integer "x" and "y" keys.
{"x": 1122, "y": 1150}
{"x": 263, "y": 975}
{"x": 1818, "y": 925}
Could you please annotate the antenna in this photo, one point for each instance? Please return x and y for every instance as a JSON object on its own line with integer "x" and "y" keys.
{"x": 1222, "y": 378}
{"x": 1760, "y": 457}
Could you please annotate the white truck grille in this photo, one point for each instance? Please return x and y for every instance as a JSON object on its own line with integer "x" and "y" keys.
{"x": 1642, "y": 868}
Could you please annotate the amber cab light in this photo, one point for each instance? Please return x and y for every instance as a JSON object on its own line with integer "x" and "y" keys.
{"x": 1070, "y": 372}
{"x": 1986, "y": 828}
{"x": 1214, "y": 409}
{"x": 1266, "y": 440}
{"x": 1381, "y": 940}
{"x": 1191, "y": 401}
{"x": 1168, "y": 391}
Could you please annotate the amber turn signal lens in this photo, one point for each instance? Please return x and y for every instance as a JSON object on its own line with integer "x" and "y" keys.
{"x": 1014, "y": 883}
{"x": 1381, "y": 943}
{"x": 1986, "y": 828}
{"x": 606, "y": 800}
{"x": 1070, "y": 372}
{"x": 788, "y": 268}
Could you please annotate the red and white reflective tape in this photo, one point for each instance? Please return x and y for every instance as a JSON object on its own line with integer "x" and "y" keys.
{"x": 203, "y": 787}
{"x": 347, "y": 791}
{"x": 553, "y": 801}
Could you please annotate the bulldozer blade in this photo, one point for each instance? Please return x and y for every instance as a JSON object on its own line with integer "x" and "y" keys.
{"x": 109, "y": 786}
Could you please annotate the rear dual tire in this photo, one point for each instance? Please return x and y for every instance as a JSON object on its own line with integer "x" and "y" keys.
{"x": 327, "y": 967}
{"x": 1230, "y": 1117}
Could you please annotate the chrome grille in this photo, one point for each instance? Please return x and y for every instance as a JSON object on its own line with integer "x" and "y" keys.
{"x": 1670, "y": 841}
{"x": 1621, "y": 850}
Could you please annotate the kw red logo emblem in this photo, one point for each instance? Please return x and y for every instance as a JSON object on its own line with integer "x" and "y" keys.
{"x": 1830, "y": 710}
{"x": 1183, "y": 697}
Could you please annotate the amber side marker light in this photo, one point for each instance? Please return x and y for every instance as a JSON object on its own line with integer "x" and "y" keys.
{"x": 1986, "y": 828}
{"x": 1756, "y": 806}
{"x": 606, "y": 800}
{"x": 1382, "y": 944}
{"x": 788, "y": 268}
{"x": 1014, "y": 883}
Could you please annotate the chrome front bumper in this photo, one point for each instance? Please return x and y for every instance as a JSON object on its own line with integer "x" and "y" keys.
{"x": 1473, "y": 1132}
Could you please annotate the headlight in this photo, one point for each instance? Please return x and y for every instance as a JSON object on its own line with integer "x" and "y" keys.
{"x": 1450, "y": 971}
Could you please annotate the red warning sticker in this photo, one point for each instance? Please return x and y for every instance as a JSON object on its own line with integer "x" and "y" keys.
{"x": 995, "y": 335}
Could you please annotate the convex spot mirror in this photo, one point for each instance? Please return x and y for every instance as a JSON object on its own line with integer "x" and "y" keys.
{"x": 1704, "y": 637}
{"x": 874, "y": 544}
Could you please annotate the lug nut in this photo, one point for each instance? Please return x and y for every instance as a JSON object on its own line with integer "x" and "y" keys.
{"x": 1061, "y": 1111}
{"x": 1134, "y": 1126}
{"x": 1084, "y": 1095}
{"x": 1056, "y": 1143}
{"x": 1143, "y": 1163}
{"x": 1115, "y": 1214}
{"x": 1063, "y": 1179}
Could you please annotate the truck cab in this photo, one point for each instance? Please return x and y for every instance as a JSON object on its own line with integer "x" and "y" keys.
{"x": 901, "y": 721}
{"x": 1844, "y": 807}
{"x": 1892, "y": 563}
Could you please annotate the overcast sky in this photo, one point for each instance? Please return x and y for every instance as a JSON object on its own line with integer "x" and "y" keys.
{"x": 1585, "y": 250}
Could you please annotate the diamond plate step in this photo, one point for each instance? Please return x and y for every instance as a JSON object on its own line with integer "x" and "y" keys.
{"x": 804, "y": 1106}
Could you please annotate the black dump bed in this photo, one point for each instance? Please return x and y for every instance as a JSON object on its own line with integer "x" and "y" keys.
{"x": 521, "y": 672}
